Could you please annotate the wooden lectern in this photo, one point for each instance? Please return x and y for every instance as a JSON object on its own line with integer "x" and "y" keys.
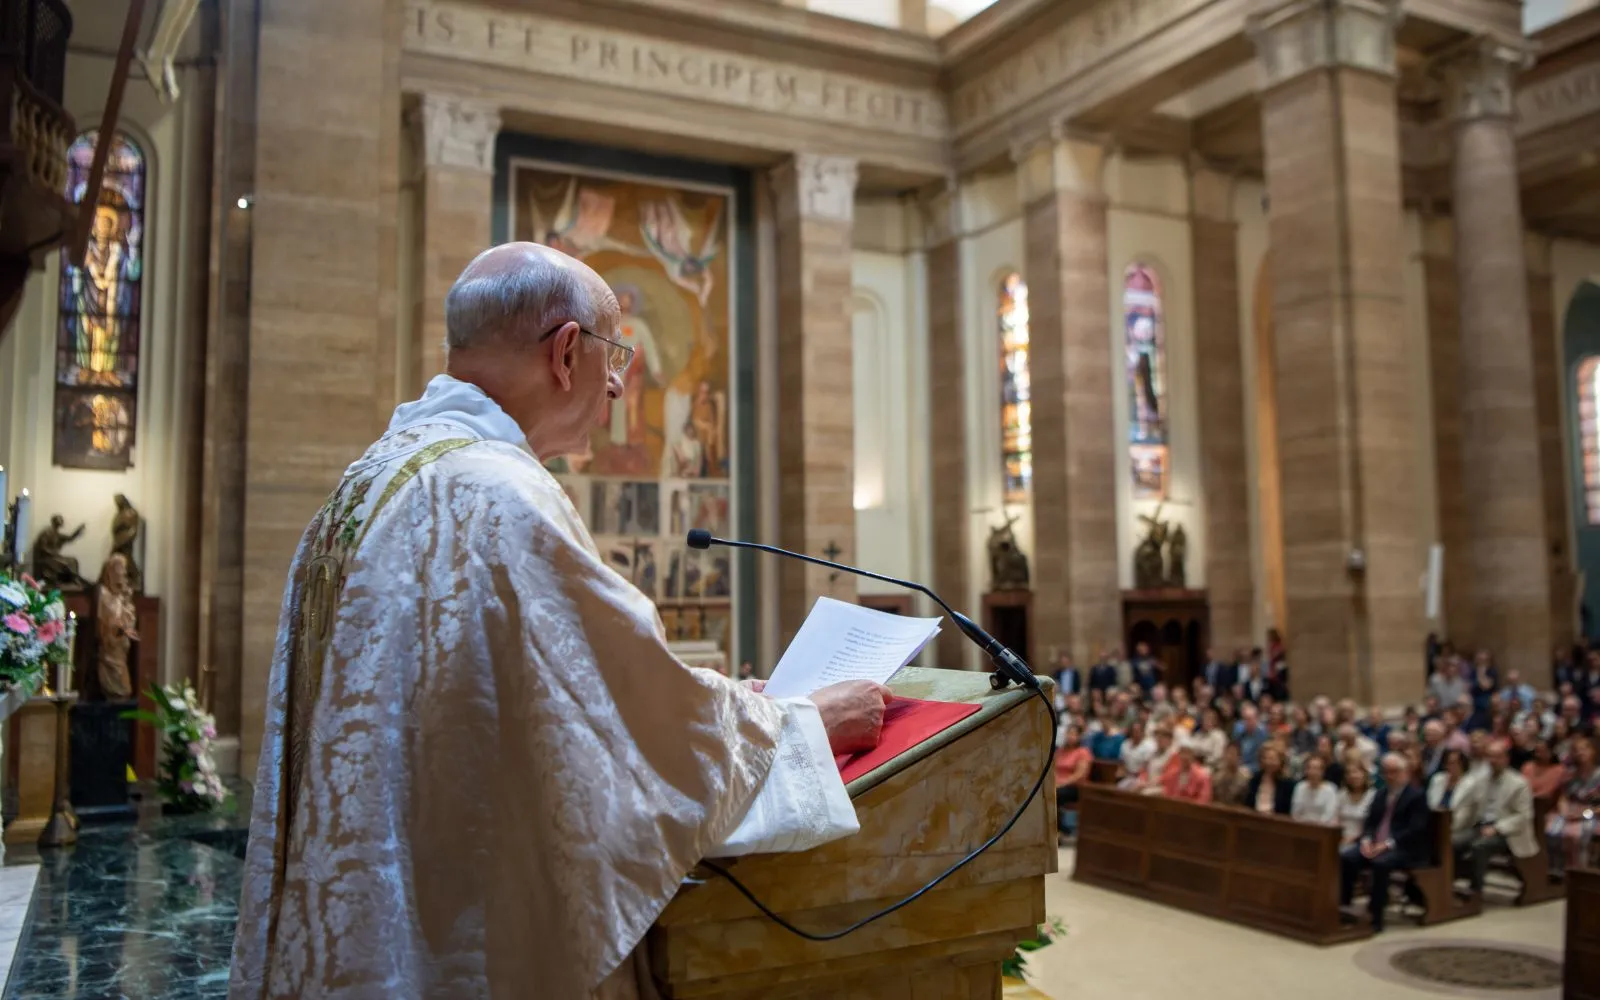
{"x": 920, "y": 813}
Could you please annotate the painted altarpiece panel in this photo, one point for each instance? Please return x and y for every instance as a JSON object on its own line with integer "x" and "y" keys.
{"x": 661, "y": 460}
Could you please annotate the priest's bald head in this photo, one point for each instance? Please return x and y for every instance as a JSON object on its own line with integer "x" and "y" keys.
{"x": 537, "y": 331}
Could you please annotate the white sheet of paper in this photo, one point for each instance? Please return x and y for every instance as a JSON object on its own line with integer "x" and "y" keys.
{"x": 845, "y": 642}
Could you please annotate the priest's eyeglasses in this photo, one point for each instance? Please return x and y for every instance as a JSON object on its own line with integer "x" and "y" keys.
{"x": 618, "y": 356}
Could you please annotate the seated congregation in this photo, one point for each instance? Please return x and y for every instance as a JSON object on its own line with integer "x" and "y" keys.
{"x": 1486, "y": 773}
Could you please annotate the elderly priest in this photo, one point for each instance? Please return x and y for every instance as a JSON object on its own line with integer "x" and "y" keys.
{"x": 483, "y": 774}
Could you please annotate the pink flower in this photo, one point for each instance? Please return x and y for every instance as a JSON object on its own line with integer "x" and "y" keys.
{"x": 50, "y": 631}
{"x": 209, "y": 732}
{"x": 30, "y": 582}
{"x": 19, "y": 622}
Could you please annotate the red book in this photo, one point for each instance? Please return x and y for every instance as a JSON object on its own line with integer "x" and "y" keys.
{"x": 906, "y": 722}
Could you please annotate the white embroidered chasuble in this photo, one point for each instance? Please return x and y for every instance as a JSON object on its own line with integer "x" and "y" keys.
{"x": 482, "y": 773}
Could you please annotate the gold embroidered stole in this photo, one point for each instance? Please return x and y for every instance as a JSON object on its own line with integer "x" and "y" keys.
{"x": 337, "y": 533}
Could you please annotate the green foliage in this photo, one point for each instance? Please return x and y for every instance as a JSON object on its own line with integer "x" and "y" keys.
{"x": 1017, "y": 964}
{"x": 188, "y": 777}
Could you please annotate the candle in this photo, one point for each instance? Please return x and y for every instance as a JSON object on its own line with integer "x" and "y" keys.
{"x": 72, "y": 653}
{"x": 19, "y": 532}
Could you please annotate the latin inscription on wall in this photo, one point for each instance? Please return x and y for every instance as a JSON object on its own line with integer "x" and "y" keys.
{"x": 639, "y": 62}
{"x": 1559, "y": 99}
{"x": 1100, "y": 31}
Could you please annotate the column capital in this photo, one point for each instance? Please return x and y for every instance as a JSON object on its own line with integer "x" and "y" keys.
{"x": 1060, "y": 161}
{"x": 824, "y": 187}
{"x": 1480, "y": 79}
{"x": 457, "y": 132}
{"x": 1210, "y": 191}
{"x": 940, "y": 214}
{"x": 1297, "y": 37}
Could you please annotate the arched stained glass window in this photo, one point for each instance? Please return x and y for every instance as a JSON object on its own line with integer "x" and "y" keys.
{"x": 97, "y": 339}
{"x": 1145, "y": 339}
{"x": 1016, "y": 416}
{"x": 1589, "y": 435}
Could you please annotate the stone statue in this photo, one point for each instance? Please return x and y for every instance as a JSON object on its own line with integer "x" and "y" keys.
{"x": 1177, "y": 551}
{"x": 125, "y": 529}
{"x": 50, "y": 566}
{"x": 115, "y": 617}
{"x": 1008, "y": 567}
{"x": 1149, "y": 565}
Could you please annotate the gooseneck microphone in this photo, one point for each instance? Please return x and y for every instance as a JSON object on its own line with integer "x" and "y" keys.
{"x": 1009, "y": 667}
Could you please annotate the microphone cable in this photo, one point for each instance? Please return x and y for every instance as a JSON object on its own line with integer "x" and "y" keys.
{"x": 1050, "y": 757}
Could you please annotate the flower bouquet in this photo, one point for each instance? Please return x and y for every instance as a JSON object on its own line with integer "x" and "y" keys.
{"x": 188, "y": 781}
{"x": 33, "y": 632}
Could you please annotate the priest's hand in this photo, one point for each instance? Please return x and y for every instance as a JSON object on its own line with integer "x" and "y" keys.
{"x": 852, "y": 713}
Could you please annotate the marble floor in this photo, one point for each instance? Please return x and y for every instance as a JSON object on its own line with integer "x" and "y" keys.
{"x": 16, "y": 892}
{"x": 1128, "y": 949}
{"x": 145, "y": 911}
{"x": 140, "y": 910}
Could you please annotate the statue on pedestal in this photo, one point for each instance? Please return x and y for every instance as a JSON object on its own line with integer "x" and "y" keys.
{"x": 115, "y": 618}
{"x": 125, "y": 529}
{"x": 50, "y": 566}
{"x": 1177, "y": 552}
{"x": 1008, "y": 566}
{"x": 1149, "y": 563}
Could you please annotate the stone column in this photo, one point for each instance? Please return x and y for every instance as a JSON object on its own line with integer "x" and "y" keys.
{"x": 1552, "y": 455}
{"x": 1507, "y": 553}
{"x": 1076, "y": 599}
{"x": 1225, "y": 473}
{"x": 1352, "y": 553}
{"x": 949, "y": 508}
{"x": 815, "y": 208}
{"x": 457, "y": 201}
{"x": 322, "y": 300}
{"x": 1444, "y": 369}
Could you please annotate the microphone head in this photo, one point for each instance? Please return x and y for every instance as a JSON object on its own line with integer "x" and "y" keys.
{"x": 699, "y": 538}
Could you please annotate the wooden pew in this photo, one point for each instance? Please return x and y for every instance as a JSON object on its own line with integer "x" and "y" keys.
{"x": 1267, "y": 872}
{"x": 1437, "y": 883}
{"x": 1104, "y": 772}
{"x": 1534, "y": 872}
{"x": 1581, "y": 957}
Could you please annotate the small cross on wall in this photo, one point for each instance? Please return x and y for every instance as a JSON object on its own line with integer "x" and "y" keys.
{"x": 832, "y": 552}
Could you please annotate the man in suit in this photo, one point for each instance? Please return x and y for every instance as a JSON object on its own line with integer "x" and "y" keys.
{"x": 1506, "y": 823}
{"x": 1219, "y": 676}
{"x": 1146, "y": 671}
{"x": 1103, "y": 675}
{"x": 1069, "y": 679}
{"x": 1566, "y": 669}
{"x": 1432, "y": 748}
{"x": 1395, "y": 836}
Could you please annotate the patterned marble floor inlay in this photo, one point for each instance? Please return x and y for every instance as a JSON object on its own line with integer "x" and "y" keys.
{"x": 1479, "y": 966}
{"x": 143, "y": 911}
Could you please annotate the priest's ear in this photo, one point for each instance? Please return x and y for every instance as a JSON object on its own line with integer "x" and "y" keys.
{"x": 565, "y": 343}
